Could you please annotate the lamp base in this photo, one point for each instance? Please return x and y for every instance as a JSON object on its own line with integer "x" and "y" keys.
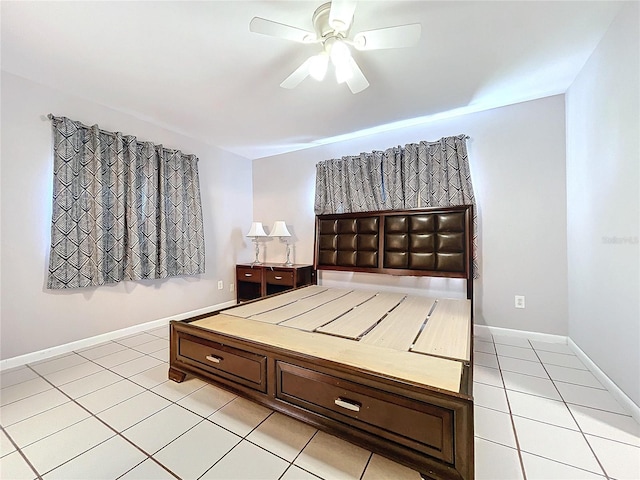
{"x": 256, "y": 261}
{"x": 288, "y": 262}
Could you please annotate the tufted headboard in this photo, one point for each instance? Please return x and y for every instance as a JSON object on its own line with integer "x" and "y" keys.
{"x": 433, "y": 242}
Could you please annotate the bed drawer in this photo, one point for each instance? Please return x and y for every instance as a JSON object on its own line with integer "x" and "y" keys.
{"x": 420, "y": 426}
{"x": 240, "y": 366}
{"x": 280, "y": 277}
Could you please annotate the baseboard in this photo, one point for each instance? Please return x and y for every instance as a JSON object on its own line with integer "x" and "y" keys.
{"x": 618, "y": 394}
{"x": 105, "y": 337}
{"x": 622, "y": 398}
{"x": 535, "y": 336}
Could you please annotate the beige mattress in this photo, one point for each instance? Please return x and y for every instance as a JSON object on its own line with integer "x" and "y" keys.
{"x": 418, "y": 339}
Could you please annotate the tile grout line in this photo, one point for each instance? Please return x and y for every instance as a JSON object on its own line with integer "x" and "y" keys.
{"x": 21, "y": 453}
{"x": 91, "y": 414}
{"x": 513, "y": 425}
{"x": 273, "y": 453}
{"x": 147, "y": 389}
{"x": 118, "y": 340}
{"x": 298, "y": 454}
{"x": 366, "y": 465}
{"x": 241, "y": 438}
{"x": 552, "y": 380}
{"x": 245, "y": 438}
{"x": 106, "y": 425}
{"x": 555, "y": 382}
{"x": 573, "y": 417}
{"x": 203, "y": 419}
{"x": 604, "y": 476}
{"x": 172, "y": 402}
{"x": 220, "y": 459}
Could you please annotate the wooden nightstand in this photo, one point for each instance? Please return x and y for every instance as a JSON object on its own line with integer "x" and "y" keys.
{"x": 255, "y": 281}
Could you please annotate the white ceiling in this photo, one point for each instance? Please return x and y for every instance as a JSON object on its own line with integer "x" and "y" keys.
{"x": 195, "y": 68}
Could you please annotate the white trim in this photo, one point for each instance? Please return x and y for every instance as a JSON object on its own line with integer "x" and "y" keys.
{"x": 622, "y": 398}
{"x": 105, "y": 337}
{"x": 535, "y": 336}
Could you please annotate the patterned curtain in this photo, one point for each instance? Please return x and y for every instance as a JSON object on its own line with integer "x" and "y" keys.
{"x": 425, "y": 174}
{"x": 122, "y": 209}
{"x": 437, "y": 173}
{"x": 363, "y": 183}
{"x": 351, "y": 184}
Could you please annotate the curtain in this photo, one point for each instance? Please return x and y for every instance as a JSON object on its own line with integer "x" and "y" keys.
{"x": 424, "y": 174}
{"x": 122, "y": 209}
{"x": 437, "y": 173}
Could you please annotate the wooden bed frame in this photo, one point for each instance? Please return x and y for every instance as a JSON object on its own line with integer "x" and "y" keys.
{"x": 387, "y": 371}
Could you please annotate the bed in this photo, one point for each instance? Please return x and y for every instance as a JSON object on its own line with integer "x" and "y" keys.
{"x": 386, "y": 370}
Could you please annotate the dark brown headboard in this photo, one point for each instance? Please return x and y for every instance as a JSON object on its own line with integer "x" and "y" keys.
{"x": 434, "y": 242}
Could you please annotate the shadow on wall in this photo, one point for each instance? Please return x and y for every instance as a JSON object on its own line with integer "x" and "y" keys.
{"x": 237, "y": 243}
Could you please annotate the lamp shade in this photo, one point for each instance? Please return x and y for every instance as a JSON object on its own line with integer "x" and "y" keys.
{"x": 279, "y": 230}
{"x": 256, "y": 230}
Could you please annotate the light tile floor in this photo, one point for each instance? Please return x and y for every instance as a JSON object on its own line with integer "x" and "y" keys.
{"x": 109, "y": 412}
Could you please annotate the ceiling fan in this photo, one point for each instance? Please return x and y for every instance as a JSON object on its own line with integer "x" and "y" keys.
{"x": 332, "y": 24}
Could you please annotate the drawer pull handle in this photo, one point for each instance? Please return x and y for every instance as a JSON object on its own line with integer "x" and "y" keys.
{"x": 248, "y": 274}
{"x": 348, "y": 404}
{"x": 214, "y": 359}
{"x": 278, "y": 278}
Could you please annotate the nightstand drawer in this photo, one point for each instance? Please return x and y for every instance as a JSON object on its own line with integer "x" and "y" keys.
{"x": 246, "y": 368}
{"x": 280, "y": 277}
{"x": 253, "y": 275}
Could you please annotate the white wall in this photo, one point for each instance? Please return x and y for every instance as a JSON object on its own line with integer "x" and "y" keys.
{"x": 603, "y": 204}
{"x": 517, "y": 159}
{"x": 34, "y": 318}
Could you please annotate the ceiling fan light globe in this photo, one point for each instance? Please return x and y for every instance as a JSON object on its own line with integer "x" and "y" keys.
{"x": 343, "y": 72}
{"x": 340, "y": 52}
{"x": 318, "y": 66}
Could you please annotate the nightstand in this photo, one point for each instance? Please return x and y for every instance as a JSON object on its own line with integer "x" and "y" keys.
{"x": 256, "y": 281}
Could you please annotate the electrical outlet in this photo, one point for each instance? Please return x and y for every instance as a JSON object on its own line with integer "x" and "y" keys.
{"x": 220, "y": 284}
{"x": 232, "y": 287}
{"x": 519, "y": 301}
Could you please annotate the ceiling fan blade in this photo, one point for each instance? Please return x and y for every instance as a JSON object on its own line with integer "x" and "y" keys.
{"x": 300, "y": 73}
{"x": 341, "y": 14}
{"x": 356, "y": 81}
{"x": 280, "y": 30}
{"x": 390, "y": 37}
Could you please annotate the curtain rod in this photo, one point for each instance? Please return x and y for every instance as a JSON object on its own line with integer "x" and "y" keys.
{"x": 50, "y": 116}
{"x": 466, "y": 137}
{"x": 106, "y": 132}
